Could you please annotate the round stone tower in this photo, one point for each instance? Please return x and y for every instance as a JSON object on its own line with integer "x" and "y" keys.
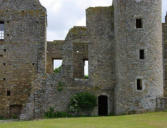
{"x": 139, "y": 65}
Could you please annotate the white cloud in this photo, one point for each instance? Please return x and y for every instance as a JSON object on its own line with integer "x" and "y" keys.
{"x": 64, "y": 14}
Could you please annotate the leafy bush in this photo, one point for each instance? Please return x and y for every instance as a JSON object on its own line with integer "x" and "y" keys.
{"x": 58, "y": 70}
{"x": 15, "y": 117}
{"x": 82, "y": 102}
{"x": 52, "y": 114}
{"x": 86, "y": 77}
{"x": 2, "y": 118}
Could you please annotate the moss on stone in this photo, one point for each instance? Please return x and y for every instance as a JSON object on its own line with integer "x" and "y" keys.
{"x": 98, "y": 9}
{"x": 77, "y": 29}
{"x": 77, "y": 32}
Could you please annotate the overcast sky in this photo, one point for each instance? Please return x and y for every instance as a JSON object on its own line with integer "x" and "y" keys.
{"x": 64, "y": 14}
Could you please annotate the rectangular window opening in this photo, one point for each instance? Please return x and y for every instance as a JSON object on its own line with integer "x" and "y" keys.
{"x": 86, "y": 68}
{"x": 139, "y": 23}
{"x": 141, "y": 52}
{"x": 2, "y": 29}
{"x": 8, "y": 93}
{"x": 139, "y": 84}
{"x": 57, "y": 64}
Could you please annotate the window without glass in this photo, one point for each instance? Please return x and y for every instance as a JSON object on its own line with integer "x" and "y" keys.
{"x": 57, "y": 63}
{"x": 139, "y": 23}
{"x": 2, "y": 28}
{"x": 141, "y": 52}
{"x": 139, "y": 84}
{"x": 86, "y": 73}
{"x": 8, "y": 93}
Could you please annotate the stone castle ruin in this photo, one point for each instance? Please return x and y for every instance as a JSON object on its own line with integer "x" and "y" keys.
{"x": 124, "y": 44}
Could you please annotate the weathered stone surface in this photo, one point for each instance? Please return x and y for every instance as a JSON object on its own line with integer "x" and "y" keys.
{"x": 109, "y": 41}
{"x": 22, "y": 51}
{"x": 129, "y": 40}
{"x": 54, "y": 51}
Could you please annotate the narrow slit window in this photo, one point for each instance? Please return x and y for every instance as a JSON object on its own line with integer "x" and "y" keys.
{"x": 2, "y": 29}
{"x": 57, "y": 64}
{"x": 139, "y": 23}
{"x": 8, "y": 93}
{"x": 142, "y": 54}
{"x": 86, "y": 68}
{"x": 139, "y": 84}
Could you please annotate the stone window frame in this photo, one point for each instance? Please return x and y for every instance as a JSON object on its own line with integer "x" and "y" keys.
{"x": 138, "y": 17}
{"x": 143, "y": 83}
{"x": 145, "y": 54}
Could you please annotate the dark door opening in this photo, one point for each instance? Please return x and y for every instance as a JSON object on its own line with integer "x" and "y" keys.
{"x": 15, "y": 111}
{"x": 103, "y": 105}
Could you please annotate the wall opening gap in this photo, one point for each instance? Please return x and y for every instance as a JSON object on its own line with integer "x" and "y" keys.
{"x": 8, "y": 93}
{"x": 2, "y": 29}
{"x": 86, "y": 68}
{"x": 142, "y": 54}
{"x": 139, "y": 84}
{"x": 57, "y": 64}
{"x": 102, "y": 105}
{"x": 15, "y": 110}
{"x": 139, "y": 23}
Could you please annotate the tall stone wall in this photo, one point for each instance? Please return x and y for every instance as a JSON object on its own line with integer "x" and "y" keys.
{"x": 100, "y": 23}
{"x": 101, "y": 51}
{"x": 129, "y": 68}
{"x": 22, "y": 52}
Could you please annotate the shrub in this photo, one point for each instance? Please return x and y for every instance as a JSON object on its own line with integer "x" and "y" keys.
{"x": 62, "y": 114}
{"x": 82, "y": 102}
{"x": 86, "y": 77}
{"x": 2, "y": 118}
{"x": 15, "y": 117}
{"x": 52, "y": 114}
{"x": 58, "y": 70}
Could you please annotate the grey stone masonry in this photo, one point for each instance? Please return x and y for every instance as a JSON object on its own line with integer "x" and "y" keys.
{"x": 125, "y": 45}
{"x": 22, "y": 51}
{"x": 131, "y": 70}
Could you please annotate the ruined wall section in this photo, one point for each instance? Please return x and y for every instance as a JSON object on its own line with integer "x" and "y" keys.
{"x": 100, "y": 23}
{"x": 75, "y": 51}
{"x": 54, "y": 51}
{"x": 46, "y": 91}
{"x": 22, "y": 52}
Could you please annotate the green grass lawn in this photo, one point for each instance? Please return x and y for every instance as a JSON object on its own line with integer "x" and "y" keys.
{"x": 149, "y": 120}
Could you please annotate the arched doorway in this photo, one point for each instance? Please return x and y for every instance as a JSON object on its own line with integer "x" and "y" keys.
{"x": 102, "y": 105}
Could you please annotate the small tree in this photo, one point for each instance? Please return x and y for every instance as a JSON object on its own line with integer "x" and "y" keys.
{"x": 82, "y": 102}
